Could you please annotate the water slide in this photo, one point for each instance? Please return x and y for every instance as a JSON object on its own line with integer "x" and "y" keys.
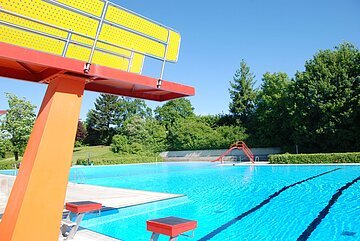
{"x": 239, "y": 145}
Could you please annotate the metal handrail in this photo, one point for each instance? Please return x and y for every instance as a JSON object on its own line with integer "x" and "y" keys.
{"x": 96, "y": 39}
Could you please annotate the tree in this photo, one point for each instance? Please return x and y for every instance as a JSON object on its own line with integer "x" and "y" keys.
{"x": 120, "y": 144}
{"x": 192, "y": 134}
{"x": 5, "y": 144}
{"x": 242, "y": 93}
{"x": 173, "y": 111}
{"x": 18, "y": 123}
{"x": 101, "y": 120}
{"x": 127, "y": 108}
{"x": 271, "y": 119}
{"x": 325, "y": 101}
{"x": 109, "y": 116}
{"x": 81, "y": 133}
{"x": 229, "y": 135}
{"x": 146, "y": 132}
{"x": 156, "y": 135}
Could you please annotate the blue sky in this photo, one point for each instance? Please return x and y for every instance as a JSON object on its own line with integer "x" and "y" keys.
{"x": 272, "y": 36}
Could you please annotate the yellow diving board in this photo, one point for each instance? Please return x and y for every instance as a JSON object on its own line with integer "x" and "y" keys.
{"x": 93, "y": 31}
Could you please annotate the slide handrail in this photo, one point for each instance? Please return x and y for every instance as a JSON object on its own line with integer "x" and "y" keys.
{"x": 240, "y": 145}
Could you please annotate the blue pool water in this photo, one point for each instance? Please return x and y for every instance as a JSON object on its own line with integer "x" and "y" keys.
{"x": 235, "y": 203}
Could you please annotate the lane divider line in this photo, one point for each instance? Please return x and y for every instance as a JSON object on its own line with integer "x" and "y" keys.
{"x": 257, "y": 207}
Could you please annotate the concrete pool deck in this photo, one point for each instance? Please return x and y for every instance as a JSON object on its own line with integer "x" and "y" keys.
{"x": 110, "y": 198}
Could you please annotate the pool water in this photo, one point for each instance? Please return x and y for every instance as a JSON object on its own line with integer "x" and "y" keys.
{"x": 234, "y": 202}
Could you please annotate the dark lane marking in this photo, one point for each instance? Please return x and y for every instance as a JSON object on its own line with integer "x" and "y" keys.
{"x": 313, "y": 225}
{"x": 266, "y": 201}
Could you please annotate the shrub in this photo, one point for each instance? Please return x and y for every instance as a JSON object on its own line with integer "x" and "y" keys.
{"x": 7, "y": 164}
{"x": 119, "y": 144}
{"x": 353, "y": 157}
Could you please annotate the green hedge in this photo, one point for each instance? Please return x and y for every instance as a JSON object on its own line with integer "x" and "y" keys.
{"x": 7, "y": 164}
{"x": 119, "y": 160}
{"x": 353, "y": 157}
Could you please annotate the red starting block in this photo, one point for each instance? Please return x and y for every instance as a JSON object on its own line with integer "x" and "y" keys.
{"x": 170, "y": 226}
{"x": 83, "y": 207}
{"x": 78, "y": 210}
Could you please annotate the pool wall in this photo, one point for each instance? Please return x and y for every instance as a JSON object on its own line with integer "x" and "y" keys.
{"x": 209, "y": 155}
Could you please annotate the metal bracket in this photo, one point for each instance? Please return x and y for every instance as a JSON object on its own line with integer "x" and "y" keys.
{"x": 159, "y": 83}
{"x": 87, "y": 68}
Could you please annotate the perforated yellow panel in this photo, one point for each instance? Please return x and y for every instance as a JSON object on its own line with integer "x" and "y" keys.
{"x": 132, "y": 41}
{"x": 67, "y": 19}
{"x": 80, "y": 53}
{"x": 132, "y": 21}
{"x": 137, "y": 63}
{"x": 29, "y": 40}
{"x": 144, "y": 26}
{"x": 52, "y": 14}
{"x": 173, "y": 49}
{"x": 32, "y": 25}
{"x": 94, "y": 7}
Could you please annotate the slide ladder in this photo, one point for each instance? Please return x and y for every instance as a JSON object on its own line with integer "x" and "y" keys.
{"x": 240, "y": 145}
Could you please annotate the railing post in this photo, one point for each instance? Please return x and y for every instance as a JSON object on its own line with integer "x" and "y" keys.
{"x": 164, "y": 60}
{"x": 67, "y": 43}
{"x": 88, "y": 64}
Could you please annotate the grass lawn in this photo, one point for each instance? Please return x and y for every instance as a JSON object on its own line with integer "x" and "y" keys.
{"x": 92, "y": 152}
{"x": 99, "y": 155}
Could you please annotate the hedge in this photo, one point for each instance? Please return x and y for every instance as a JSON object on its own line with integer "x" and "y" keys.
{"x": 353, "y": 157}
{"x": 7, "y": 164}
{"x": 119, "y": 160}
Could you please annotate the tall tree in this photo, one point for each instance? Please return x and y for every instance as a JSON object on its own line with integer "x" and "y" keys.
{"x": 325, "y": 101}
{"x": 173, "y": 111}
{"x": 101, "y": 120}
{"x": 242, "y": 93}
{"x": 128, "y": 107}
{"x": 271, "y": 119}
{"x": 18, "y": 123}
{"x": 109, "y": 116}
{"x": 81, "y": 132}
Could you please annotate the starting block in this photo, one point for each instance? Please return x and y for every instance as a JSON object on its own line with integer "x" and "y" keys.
{"x": 170, "y": 226}
{"x": 78, "y": 209}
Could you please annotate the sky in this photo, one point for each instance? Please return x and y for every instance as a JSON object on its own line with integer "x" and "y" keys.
{"x": 271, "y": 36}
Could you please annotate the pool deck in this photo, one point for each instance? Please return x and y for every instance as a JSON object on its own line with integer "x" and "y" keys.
{"x": 87, "y": 235}
{"x": 110, "y": 198}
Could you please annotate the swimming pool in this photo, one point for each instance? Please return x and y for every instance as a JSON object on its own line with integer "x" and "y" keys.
{"x": 235, "y": 202}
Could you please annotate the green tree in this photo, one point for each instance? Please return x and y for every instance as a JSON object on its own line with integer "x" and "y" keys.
{"x": 101, "y": 121}
{"x": 109, "y": 116}
{"x": 145, "y": 132}
{"x": 5, "y": 144}
{"x": 80, "y": 132}
{"x": 120, "y": 144}
{"x": 18, "y": 123}
{"x": 192, "y": 134}
{"x": 156, "y": 135}
{"x": 271, "y": 119}
{"x": 229, "y": 135}
{"x": 325, "y": 101}
{"x": 242, "y": 93}
{"x": 173, "y": 111}
{"x": 128, "y": 107}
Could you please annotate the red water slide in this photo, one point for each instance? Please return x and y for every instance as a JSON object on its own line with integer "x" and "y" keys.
{"x": 240, "y": 145}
